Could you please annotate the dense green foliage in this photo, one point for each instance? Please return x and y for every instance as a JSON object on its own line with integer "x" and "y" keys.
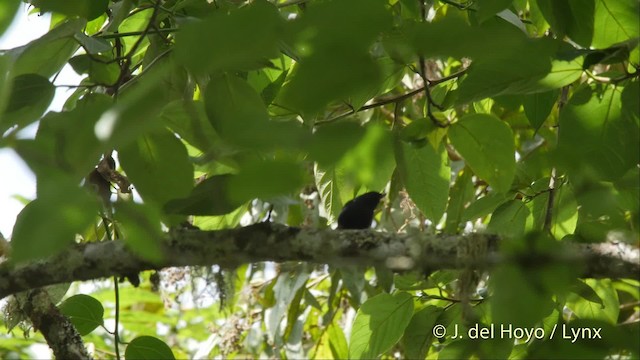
{"x": 517, "y": 117}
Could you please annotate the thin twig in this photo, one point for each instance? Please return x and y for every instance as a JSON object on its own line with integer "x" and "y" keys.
{"x": 136, "y": 33}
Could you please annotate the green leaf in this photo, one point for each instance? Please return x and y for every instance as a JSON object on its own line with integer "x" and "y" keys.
{"x": 573, "y": 18}
{"x": 615, "y": 22}
{"x": 519, "y": 297}
{"x": 210, "y": 197}
{"x": 30, "y": 97}
{"x": 418, "y": 336}
{"x": 92, "y": 45}
{"x": 48, "y": 54}
{"x": 67, "y": 140}
{"x": 238, "y": 114}
{"x": 61, "y": 211}
{"x": 486, "y": 143}
{"x": 509, "y": 219}
{"x": 88, "y": 9}
{"x": 426, "y": 176}
{"x": 330, "y": 142}
{"x": 379, "y": 324}
{"x": 483, "y": 206}
{"x": 98, "y": 67}
{"x": 586, "y": 292}
{"x": 265, "y": 179}
{"x": 539, "y": 70}
{"x": 461, "y": 194}
{"x": 240, "y": 39}
{"x": 488, "y": 8}
{"x": 8, "y": 10}
{"x": 334, "y": 39}
{"x": 285, "y": 290}
{"x": 371, "y": 161}
{"x": 148, "y": 347}
{"x": 335, "y": 189}
{"x": 538, "y": 106}
{"x": 158, "y": 166}
{"x": 140, "y": 225}
{"x": 85, "y": 312}
{"x": 606, "y": 310}
{"x": 594, "y": 138}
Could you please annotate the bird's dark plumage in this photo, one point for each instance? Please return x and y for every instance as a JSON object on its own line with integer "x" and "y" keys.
{"x": 358, "y": 213}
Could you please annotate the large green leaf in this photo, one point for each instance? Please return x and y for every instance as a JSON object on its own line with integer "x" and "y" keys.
{"x": 30, "y": 97}
{"x": 209, "y": 197}
{"x": 140, "y": 226}
{"x": 538, "y": 70}
{"x": 418, "y": 335}
{"x": 615, "y": 22}
{"x": 48, "y": 54}
{"x": 99, "y": 69}
{"x": 241, "y": 39}
{"x": 67, "y": 140}
{"x": 379, "y": 324}
{"x": 573, "y": 18}
{"x": 158, "y": 166}
{"x": 594, "y": 138}
{"x": 85, "y": 312}
{"x": 50, "y": 223}
{"x": 509, "y": 219}
{"x": 148, "y": 347}
{"x": 538, "y": 106}
{"x": 8, "y": 9}
{"x": 238, "y": 114}
{"x": 88, "y": 9}
{"x": 426, "y": 176}
{"x": 333, "y": 38}
{"x": 486, "y": 143}
{"x": 264, "y": 179}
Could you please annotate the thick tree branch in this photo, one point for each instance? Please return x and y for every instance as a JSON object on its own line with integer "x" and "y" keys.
{"x": 274, "y": 242}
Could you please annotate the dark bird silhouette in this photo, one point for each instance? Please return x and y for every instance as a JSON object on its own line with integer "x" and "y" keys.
{"x": 358, "y": 213}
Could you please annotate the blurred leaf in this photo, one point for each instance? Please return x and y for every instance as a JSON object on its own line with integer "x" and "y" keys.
{"x": 30, "y": 97}
{"x": 209, "y": 197}
{"x": 99, "y": 69}
{"x": 426, "y": 176}
{"x": 509, "y": 219}
{"x": 8, "y": 9}
{"x": 239, "y": 39}
{"x": 48, "y": 54}
{"x": 330, "y": 142}
{"x": 238, "y": 114}
{"x": 418, "y": 336}
{"x": 148, "y": 347}
{"x": 607, "y": 309}
{"x": 85, "y": 312}
{"x": 486, "y": 143}
{"x": 483, "y": 206}
{"x": 333, "y": 38}
{"x": 614, "y": 22}
{"x": 461, "y": 194}
{"x": 488, "y": 8}
{"x": 158, "y": 166}
{"x": 61, "y": 211}
{"x": 88, "y": 9}
{"x": 574, "y": 18}
{"x": 266, "y": 178}
{"x": 379, "y": 323}
{"x": 92, "y": 45}
{"x": 538, "y": 106}
{"x": 140, "y": 225}
{"x": 595, "y": 139}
